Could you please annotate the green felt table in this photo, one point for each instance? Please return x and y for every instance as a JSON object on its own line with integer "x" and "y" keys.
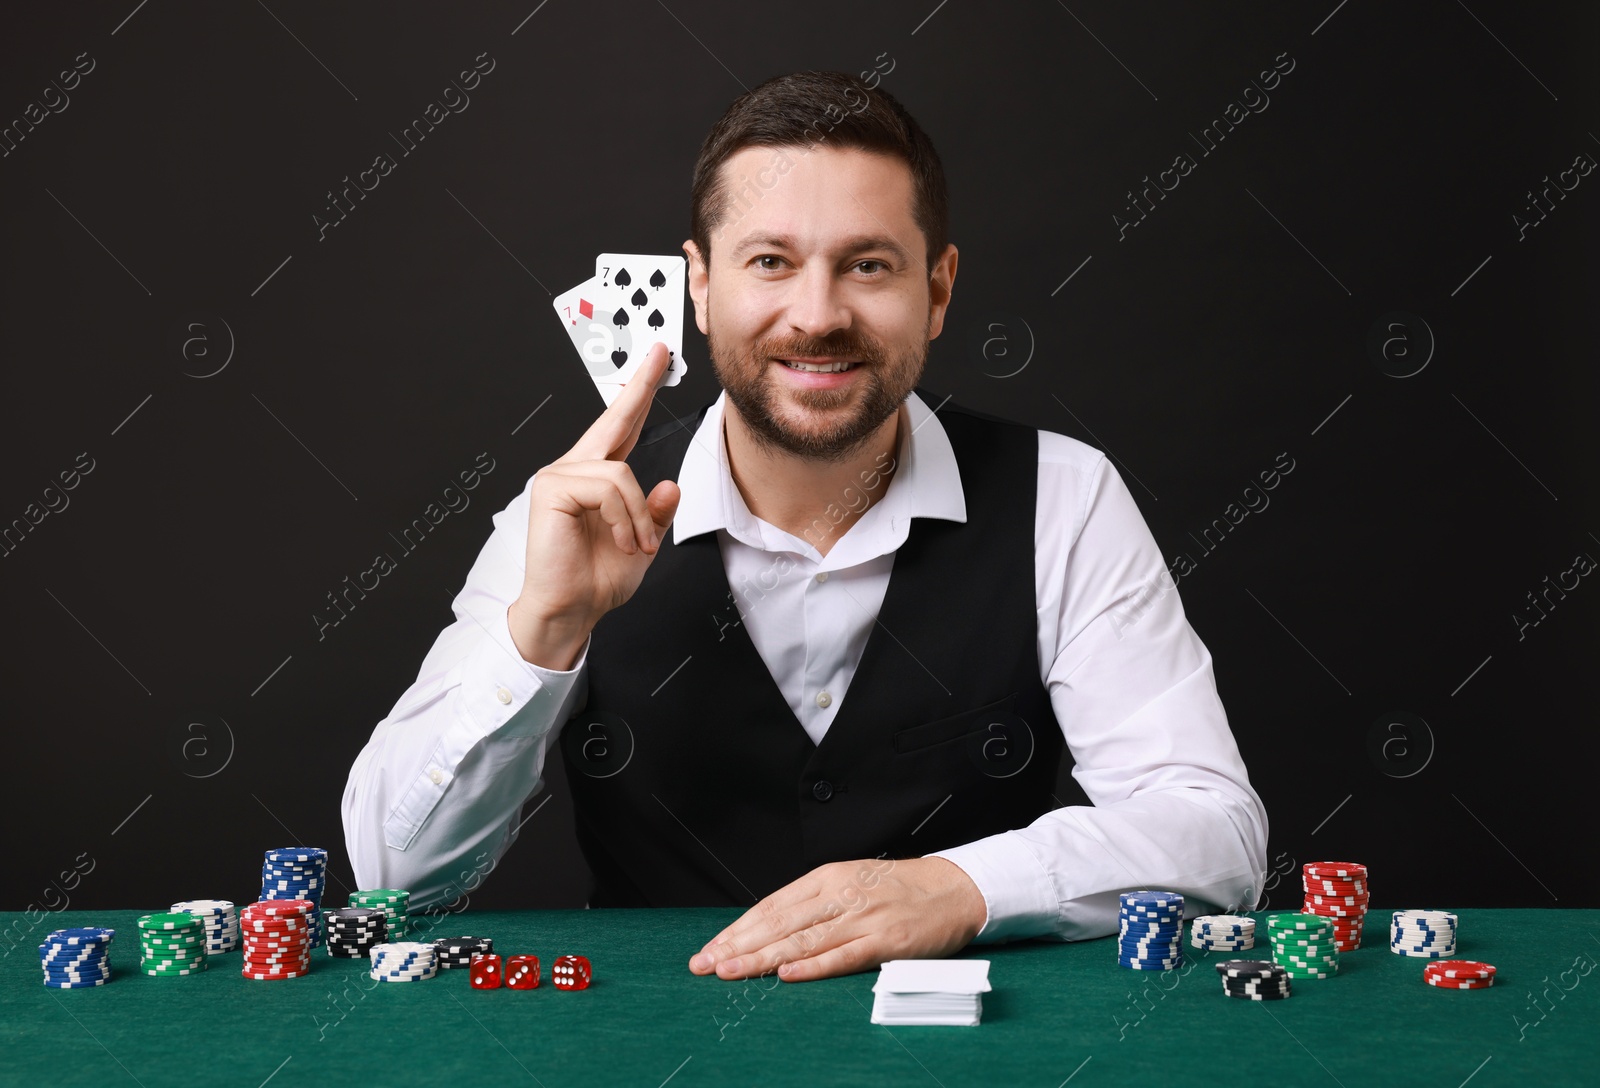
{"x": 1058, "y": 1014}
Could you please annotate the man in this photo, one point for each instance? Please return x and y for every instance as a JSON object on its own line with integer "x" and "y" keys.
{"x": 820, "y": 647}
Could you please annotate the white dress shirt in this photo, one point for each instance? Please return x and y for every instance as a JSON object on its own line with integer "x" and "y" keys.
{"x": 433, "y": 799}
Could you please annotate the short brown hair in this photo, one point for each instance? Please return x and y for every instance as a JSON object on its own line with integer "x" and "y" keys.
{"x": 829, "y": 109}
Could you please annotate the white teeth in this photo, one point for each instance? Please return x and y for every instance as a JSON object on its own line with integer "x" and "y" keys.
{"x": 818, "y": 368}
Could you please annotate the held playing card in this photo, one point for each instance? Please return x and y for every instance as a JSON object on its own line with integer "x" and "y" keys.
{"x": 650, "y": 290}
{"x": 613, "y": 318}
{"x": 590, "y": 320}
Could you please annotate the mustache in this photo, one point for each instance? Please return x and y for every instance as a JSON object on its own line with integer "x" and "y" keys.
{"x": 831, "y": 347}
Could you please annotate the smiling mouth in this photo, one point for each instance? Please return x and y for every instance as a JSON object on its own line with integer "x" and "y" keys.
{"x": 835, "y": 367}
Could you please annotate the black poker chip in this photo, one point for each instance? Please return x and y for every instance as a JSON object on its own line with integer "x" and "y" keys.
{"x": 454, "y": 952}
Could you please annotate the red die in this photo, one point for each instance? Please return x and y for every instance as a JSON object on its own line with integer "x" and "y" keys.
{"x": 522, "y": 973}
{"x": 485, "y": 971}
{"x": 570, "y": 973}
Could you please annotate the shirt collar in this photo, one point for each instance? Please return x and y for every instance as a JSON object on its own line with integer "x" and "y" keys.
{"x": 926, "y": 483}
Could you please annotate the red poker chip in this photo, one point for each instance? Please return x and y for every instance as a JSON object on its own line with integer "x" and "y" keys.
{"x": 1460, "y": 983}
{"x": 1462, "y": 969}
{"x": 278, "y": 908}
{"x": 1323, "y": 870}
{"x": 265, "y": 976}
{"x": 270, "y": 966}
{"x": 275, "y": 923}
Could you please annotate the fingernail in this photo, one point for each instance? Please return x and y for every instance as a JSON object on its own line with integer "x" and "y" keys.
{"x": 701, "y": 962}
{"x": 731, "y": 965}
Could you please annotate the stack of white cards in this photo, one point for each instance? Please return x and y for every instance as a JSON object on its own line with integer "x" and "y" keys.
{"x": 612, "y": 318}
{"x": 930, "y": 992}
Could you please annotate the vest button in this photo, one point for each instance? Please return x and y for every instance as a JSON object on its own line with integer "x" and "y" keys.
{"x": 822, "y": 789}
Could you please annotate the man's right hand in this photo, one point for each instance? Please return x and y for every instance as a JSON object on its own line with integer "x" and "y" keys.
{"x": 591, "y": 531}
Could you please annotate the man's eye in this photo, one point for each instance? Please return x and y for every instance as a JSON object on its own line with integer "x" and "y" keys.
{"x": 871, "y": 271}
{"x": 769, "y": 257}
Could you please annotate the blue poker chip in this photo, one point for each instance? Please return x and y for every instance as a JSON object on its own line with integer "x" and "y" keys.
{"x": 1147, "y": 898}
{"x": 54, "y": 985}
{"x": 80, "y": 936}
{"x": 72, "y": 955}
{"x": 74, "y": 949}
{"x": 72, "y": 965}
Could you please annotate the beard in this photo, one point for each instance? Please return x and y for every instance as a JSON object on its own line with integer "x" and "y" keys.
{"x": 886, "y": 378}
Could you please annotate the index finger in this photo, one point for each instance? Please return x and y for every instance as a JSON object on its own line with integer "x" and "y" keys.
{"x": 611, "y": 437}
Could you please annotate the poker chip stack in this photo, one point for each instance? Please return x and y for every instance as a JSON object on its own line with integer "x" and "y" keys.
{"x": 1303, "y": 945}
{"x": 1223, "y": 933}
{"x": 1459, "y": 974}
{"x": 1255, "y": 980}
{"x": 1150, "y": 931}
{"x": 297, "y": 872}
{"x": 1423, "y": 934}
{"x": 277, "y": 939}
{"x": 453, "y": 952}
{"x": 353, "y": 932}
{"x": 403, "y": 961}
{"x": 76, "y": 959}
{"x": 1338, "y": 890}
{"x": 221, "y": 922}
{"x": 172, "y": 944}
{"x": 392, "y": 901}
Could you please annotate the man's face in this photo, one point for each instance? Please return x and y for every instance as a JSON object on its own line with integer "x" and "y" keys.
{"x": 818, "y": 263}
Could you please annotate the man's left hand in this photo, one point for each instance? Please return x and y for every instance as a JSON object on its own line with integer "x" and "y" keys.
{"x": 850, "y": 916}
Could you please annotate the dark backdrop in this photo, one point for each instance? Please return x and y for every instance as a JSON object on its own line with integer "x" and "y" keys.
{"x": 1351, "y": 281}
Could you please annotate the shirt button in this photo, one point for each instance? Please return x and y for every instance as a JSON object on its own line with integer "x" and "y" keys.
{"x": 824, "y": 699}
{"x": 822, "y": 789}
{"x": 435, "y": 776}
{"x": 823, "y": 577}
{"x": 503, "y": 695}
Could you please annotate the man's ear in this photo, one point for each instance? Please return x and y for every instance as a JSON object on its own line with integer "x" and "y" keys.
{"x": 941, "y": 285}
{"x": 699, "y": 283}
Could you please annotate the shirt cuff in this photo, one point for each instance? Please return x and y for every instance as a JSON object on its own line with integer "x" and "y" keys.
{"x": 1016, "y": 887}
{"x": 506, "y": 696}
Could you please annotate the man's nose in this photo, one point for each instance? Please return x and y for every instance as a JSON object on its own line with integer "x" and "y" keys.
{"x": 816, "y": 304}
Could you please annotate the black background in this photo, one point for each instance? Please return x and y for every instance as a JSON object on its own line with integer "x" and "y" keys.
{"x": 172, "y": 711}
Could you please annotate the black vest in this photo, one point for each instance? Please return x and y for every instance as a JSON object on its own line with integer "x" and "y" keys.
{"x": 694, "y": 784}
